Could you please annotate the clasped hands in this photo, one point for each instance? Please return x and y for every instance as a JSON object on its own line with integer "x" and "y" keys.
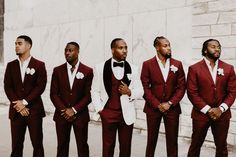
{"x": 164, "y": 107}
{"x": 21, "y": 108}
{"x": 124, "y": 89}
{"x": 214, "y": 113}
{"x": 68, "y": 114}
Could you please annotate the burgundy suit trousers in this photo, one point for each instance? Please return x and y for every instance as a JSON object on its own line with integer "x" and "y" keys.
{"x": 219, "y": 130}
{"x": 18, "y": 129}
{"x": 171, "y": 122}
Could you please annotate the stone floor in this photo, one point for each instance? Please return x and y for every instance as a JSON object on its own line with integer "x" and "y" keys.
{"x": 95, "y": 141}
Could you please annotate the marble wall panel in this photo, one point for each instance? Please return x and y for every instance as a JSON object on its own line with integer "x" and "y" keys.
{"x": 51, "y": 12}
{"x": 90, "y": 9}
{"x": 179, "y": 32}
{"x": 118, "y": 27}
{"x": 146, "y": 27}
{"x": 92, "y": 43}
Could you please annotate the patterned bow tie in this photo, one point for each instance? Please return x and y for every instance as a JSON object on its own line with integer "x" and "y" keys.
{"x": 116, "y": 64}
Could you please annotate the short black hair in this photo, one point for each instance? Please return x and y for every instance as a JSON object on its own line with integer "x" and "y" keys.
{"x": 205, "y": 44}
{"x": 113, "y": 42}
{"x": 157, "y": 40}
{"x": 74, "y": 43}
{"x": 26, "y": 38}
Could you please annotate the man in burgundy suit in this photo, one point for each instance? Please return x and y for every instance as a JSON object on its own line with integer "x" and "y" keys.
{"x": 211, "y": 87}
{"x": 70, "y": 94}
{"x": 24, "y": 82}
{"x": 116, "y": 84}
{"x": 163, "y": 81}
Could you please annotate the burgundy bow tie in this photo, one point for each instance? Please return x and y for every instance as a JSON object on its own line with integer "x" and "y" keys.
{"x": 116, "y": 64}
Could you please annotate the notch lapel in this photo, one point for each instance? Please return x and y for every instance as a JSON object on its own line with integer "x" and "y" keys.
{"x": 206, "y": 71}
{"x": 156, "y": 68}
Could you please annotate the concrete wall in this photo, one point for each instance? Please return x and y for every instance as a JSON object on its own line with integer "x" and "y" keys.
{"x": 94, "y": 23}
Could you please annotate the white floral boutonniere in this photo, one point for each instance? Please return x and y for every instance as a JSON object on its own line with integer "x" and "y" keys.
{"x": 79, "y": 75}
{"x": 220, "y": 71}
{"x": 30, "y": 71}
{"x": 173, "y": 68}
{"x": 129, "y": 76}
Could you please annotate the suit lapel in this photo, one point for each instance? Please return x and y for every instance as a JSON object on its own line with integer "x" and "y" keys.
{"x": 17, "y": 71}
{"x": 206, "y": 71}
{"x": 65, "y": 76}
{"x": 107, "y": 74}
{"x": 170, "y": 73}
{"x": 76, "y": 81}
{"x": 218, "y": 77}
{"x": 157, "y": 69}
{"x": 30, "y": 65}
{"x": 127, "y": 70}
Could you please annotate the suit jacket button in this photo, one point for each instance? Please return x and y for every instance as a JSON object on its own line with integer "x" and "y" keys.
{"x": 70, "y": 93}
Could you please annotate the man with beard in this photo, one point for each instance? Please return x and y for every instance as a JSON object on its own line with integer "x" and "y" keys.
{"x": 115, "y": 85}
{"x": 70, "y": 94}
{"x": 211, "y": 88}
{"x": 24, "y": 82}
{"x": 163, "y": 81}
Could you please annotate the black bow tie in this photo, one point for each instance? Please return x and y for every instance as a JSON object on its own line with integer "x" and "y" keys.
{"x": 116, "y": 64}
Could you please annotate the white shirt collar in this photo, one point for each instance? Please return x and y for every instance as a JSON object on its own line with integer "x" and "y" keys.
{"x": 117, "y": 71}
{"x": 164, "y": 69}
{"x": 25, "y": 62}
{"x": 70, "y": 66}
{"x": 158, "y": 60}
{"x": 208, "y": 62}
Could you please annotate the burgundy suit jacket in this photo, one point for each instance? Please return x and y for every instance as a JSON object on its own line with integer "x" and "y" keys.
{"x": 202, "y": 91}
{"x": 30, "y": 90}
{"x": 156, "y": 90}
{"x": 78, "y": 97}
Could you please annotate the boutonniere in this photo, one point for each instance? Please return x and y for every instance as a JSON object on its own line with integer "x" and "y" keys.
{"x": 129, "y": 76}
{"x": 220, "y": 71}
{"x": 30, "y": 71}
{"x": 79, "y": 75}
{"x": 173, "y": 68}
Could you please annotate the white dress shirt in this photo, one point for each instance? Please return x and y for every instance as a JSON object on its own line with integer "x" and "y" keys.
{"x": 117, "y": 71}
{"x": 164, "y": 68}
{"x": 23, "y": 67}
{"x": 71, "y": 76}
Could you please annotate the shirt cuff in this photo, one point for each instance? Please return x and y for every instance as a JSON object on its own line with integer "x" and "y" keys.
{"x": 24, "y": 102}
{"x": 170, "y": 103}
{"x": 205, "y": 109}
{"x": 74, "y": 110}
{"x": 224, "y": 107}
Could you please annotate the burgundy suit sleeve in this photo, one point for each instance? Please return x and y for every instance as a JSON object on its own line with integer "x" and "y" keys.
{"x": 180, "y": 87}
{"x": 40, "y": 84}
{"x": 54, "y": 92}
{"x": 148, "y": 95}
{"x": 8, "y": 85}
{"x": 84, "y": 102}
{"x": 192, "y": 90}
{"x": 231, "y": 88}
